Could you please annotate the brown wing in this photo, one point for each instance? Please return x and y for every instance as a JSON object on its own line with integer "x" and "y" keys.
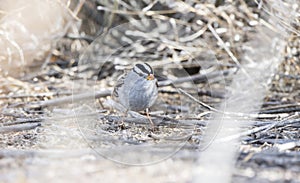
{"x": 118, "y": 85}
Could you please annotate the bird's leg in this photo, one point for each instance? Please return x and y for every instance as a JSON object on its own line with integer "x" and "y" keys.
{"x": 122, "y": 124}
{"x": 148, "y": 116}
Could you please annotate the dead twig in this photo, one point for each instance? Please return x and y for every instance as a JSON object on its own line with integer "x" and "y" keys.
{"x": 199, "y": 102}
{"x": 148, "y": 13}
{"x": 22, "y": 121}
{"x": 53, "y": 153}
{"x": 19, "y": 127}
{"x": 197, "y": 77}
{"x": 261, "y": 116}
{"x": 70, "y": 99}
{"x": 39, "y": 120}
{"x": 174, "y": 138}
{"x": 201, "y": 92}
{"x": 261, "y": 128}
{"x": 281, "y": 110}
{"x": 35, "y": 95}
{"x": 229, "y": 52}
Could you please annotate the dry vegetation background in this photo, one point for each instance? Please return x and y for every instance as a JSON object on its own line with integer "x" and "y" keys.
{"x": 52, "y": 129}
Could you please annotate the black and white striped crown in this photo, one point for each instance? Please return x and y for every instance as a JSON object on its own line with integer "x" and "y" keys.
{"x": 143, "y": 69}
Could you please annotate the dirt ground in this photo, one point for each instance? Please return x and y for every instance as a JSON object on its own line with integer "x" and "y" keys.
{"x": 57, "y": 124}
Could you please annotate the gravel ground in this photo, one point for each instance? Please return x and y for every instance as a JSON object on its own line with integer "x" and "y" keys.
{"x": 48, "y": 135}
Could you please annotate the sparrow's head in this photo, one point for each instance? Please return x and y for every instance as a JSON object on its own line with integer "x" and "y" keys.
{"x": 144, "y": 70}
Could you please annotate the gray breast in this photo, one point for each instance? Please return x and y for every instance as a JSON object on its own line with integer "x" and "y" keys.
{"x": 142, "y": 95}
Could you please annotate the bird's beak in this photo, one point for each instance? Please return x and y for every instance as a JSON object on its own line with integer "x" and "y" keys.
{"x": 150, "y": 77}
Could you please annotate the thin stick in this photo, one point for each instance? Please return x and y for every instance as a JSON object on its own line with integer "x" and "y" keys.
{"x": 70, "y": 99}
{"x": 49, "y": 94}
{"x": 175, "y": 138}
{"x": 234, "y": 59}
{"x": 49, "y": 153}
{"x": 201, "y": 77}
{"x": 198, "y": 101}
{"x": 19, "y": 127}
{"x": 258, "y": 129}
{"x": 148, "y": 13}
{"x": 232, "y": 113}
{"x": 22, "y": 121}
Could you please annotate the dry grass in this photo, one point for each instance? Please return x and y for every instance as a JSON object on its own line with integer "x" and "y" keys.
{"x": 52, "y": 125}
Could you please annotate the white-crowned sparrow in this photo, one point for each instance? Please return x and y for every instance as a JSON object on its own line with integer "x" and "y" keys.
{"x": 137, "y": 89}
